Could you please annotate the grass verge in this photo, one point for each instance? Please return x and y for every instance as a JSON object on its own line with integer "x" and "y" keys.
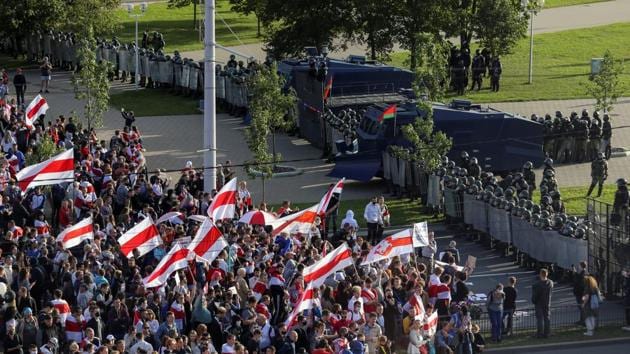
{"x": 574, "y": 198}
{"x": 154, "y": 102}
{"x": 561, "y": 65}
{"x": 179, "y": 30}
{"x": 573, "y": 335}
{"x": 560, "y": 3}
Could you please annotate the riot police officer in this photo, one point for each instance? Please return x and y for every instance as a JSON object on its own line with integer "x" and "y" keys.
{"x": 529, "y": 176}
{"x": 620, "y": 205}
{"x": 232, "y": 63}
{"x": 606, "y": 136}
{"x": 478, "y": 69}
{"x": 594, "y": 139}
{"x": 474, "y": 169}
{"x": 581, "y": 140}
{"x": 599, "y": 173}
{"x": 495, "y": 74}
{"x": 465, "y": 160}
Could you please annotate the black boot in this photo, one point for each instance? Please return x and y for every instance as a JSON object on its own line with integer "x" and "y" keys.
{"x": 599, "y": 190}
{"x": 590, "y": 190}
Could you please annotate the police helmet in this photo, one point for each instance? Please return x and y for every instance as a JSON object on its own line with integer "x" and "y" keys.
{"x": 464, "y": 155}
{"x": 549, "y": 162}
{"x": 536, "y": 209}
{"x": 534, "y": 117}
{"x": 606, "y": 118}
{"x": 528, "y": 165}
{"x": 523, "y": 195}
{"x": 558, "y": 114}
{"x": 621, "y": 182}
{"x": 596, "y": 114}
{"x": 473, "y": 161}
{"x": 585, "y": 113}
{"x": 600, "y": 156}
{"x": 546, "y": 200}
{"x": 547, "y": 116}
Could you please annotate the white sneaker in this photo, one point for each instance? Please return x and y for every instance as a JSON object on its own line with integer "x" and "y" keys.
{"x": 626, "y": 328}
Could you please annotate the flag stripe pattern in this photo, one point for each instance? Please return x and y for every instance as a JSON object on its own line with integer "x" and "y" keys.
{"x": 328, "y": 88}
{"x": 208, "y": 242}
{"x": 323, "y": 204}
{"x": 144, "y": 237}
{"x": 391, "y": 246}
{"x": 388, "y": 113}
{"x": 336, "y": 260}
{"x": 37, "y": 107}
{"x": 73, "y": 236}
{"x": 304, "y": 303}
{"x": 175, "y": 259}
{"x": 223, "y": 204}
{"x": 299, "y": 222}
{"x": 57, "y": 169}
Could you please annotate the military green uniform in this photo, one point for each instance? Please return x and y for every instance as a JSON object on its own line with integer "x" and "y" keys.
{"x": 599, "y": 173}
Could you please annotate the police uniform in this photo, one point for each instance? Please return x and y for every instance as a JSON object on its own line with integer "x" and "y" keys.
{"x": 599, "y": 173}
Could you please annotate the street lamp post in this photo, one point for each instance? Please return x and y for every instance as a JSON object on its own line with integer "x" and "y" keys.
{"x": 143, "y": 9}
{"x": 532, "y": 6}
{"x": 209, "y": 103}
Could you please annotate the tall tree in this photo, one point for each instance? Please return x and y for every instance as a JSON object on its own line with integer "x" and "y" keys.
{"x": 418, "y": 17}
{"x": 605, "y": 86}
{"x": 89, "y": 19}
{"x": 292, "y": 25}
{"x": 246, "y": 7}
{"x": 373, "y": 23}
{"x": 499, "y": 25}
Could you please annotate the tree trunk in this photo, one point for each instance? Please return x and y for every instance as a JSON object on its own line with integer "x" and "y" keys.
{"x": 413, "y": 51}
{"x": 194, "y": 14}
{"x": 263, "y": 187}
{"x": 258, "y": 26}
{"x": 372, "y": 46}
{"x": 273, "y": 149}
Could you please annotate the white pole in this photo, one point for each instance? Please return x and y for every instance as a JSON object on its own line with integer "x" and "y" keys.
{"x": 136, "y": 79}
{"x": 531, "y": 46}
{"x": 209, "y": 109}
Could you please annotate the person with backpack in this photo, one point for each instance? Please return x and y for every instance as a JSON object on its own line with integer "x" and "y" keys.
{"x": 495, "y": 311}
{"x": 591, "y": 300}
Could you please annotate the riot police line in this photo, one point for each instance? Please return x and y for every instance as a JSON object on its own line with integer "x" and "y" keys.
{"x": 501, "y": 211}
{"x": 182, "y": 76}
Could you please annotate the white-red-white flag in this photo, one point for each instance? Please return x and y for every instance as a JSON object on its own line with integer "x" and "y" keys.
{"x": 223, "y": 204}
{"x": 429, "y": 328}
{"x": 36, "y": 108}
{"x": 293, "y": 223}
{"x": 336, "y": 260}
{"x": 322, "y": 207}
{"x": 175, "y": 259}
{"x": 62, "y": 307}
{"x": 416, "y": 303}
{"x": 391, "y": 246}
{"x": 304, "y": 303}
{"x": 143, "y": 237}
{"x": 57, "y": 169}
{"x": 73, "y": 235}
{"x": 208, "y": 242}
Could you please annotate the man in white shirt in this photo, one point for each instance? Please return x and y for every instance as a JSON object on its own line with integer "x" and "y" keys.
{"x": 141, "y": 344}
{"x": 373, "y": 218}
{"x": 428, "y": 252}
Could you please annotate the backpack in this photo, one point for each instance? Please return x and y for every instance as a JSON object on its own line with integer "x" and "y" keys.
{"x": 595, "y": 301}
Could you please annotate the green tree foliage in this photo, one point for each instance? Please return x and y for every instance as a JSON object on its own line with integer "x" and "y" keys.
{"x": 21, "y": 17}
{"x": 374, "y": 24}
{"x": 45, "y": 150}
{"x": 605, "y": 86}
{"x": 90, "y": 19}
{"x": 174, "y": 4}
{"x": 269, "y": 107}
{"x": 499, "y": 25}
{"x": 292, "y": 25}
{"x": 432, "y": 70}
{"x": 246, "y": 7}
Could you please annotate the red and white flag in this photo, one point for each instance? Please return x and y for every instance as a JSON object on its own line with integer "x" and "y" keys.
{"x": 175, "y": 259}
{"x": 336, "y": 260}
{"x": 322, "y": 207}
{"x": 299, "y": 222}
{"x": 223, "y": 204}
{"x": 57, "y": 169}
{"x": 391, "y": 246}
{"x": 36, "y": 108}
{"x": 143, "y": 237}
{"x": 304, "y": 303}
{"x": 73, "y": 235}
{"x": 62, "y": 307}
{"x": 208, "y": 242}
{"x": 415, "y": 302}
{"x": 429, "y": 328}
{"x": 174, "y": 217}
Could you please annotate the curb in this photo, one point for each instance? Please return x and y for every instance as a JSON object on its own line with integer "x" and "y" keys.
{"x": 559, "y": 345}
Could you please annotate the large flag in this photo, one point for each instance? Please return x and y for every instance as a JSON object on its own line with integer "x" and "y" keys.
{"x": 36, "y": 108}
{"x": 73, "y": 235}
{"x": 328, "y": 88}
{"x": 415, "y": 302}
{"x": 304, "y": 303}
{"x": 57, "y": 169}
{"x": 391, "y": 246}
{"x": 208, "y": 242}
{"x": 293, "y": 223}
{"x": 175, "y": 259}
{"x": 143, "y": 237}
{"x": 336, "y": 260}
{"x": 323, "y": 204}
{"x": 223, "y": 204}
{"x": 420, "y": 234}
{"x": 388, "y": 113}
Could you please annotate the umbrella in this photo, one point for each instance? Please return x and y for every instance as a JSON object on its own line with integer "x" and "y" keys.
{"x": 257, "y": 217}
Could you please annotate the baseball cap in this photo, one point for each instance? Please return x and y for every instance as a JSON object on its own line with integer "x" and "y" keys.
{"x": 110, "y": 337}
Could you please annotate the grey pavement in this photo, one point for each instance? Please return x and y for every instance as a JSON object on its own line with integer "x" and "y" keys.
{"x": 592, "y": 346}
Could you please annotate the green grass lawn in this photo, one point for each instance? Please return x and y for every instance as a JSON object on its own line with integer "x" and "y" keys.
{"x": 154, "y": 102}
{"x": 177, "y": 26}
{"x": 560, "y": 3}
{"x": 561, "y": 65}
{"x": 574, "y": 198}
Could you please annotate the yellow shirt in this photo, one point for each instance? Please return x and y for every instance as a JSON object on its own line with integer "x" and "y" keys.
{"x": 407, "y": 322}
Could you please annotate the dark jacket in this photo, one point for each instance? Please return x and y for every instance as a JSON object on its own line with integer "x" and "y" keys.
{"x": 510, "y": 298}
{"x": 541, "y": 293}
{"x": 578, "y": 284}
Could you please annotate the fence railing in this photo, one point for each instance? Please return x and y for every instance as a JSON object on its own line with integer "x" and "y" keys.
{"x": 562, "y": 317}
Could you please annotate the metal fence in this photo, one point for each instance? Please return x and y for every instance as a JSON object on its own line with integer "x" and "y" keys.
{"x": 607, "y": 244}
{"x": 562, "y": 317}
